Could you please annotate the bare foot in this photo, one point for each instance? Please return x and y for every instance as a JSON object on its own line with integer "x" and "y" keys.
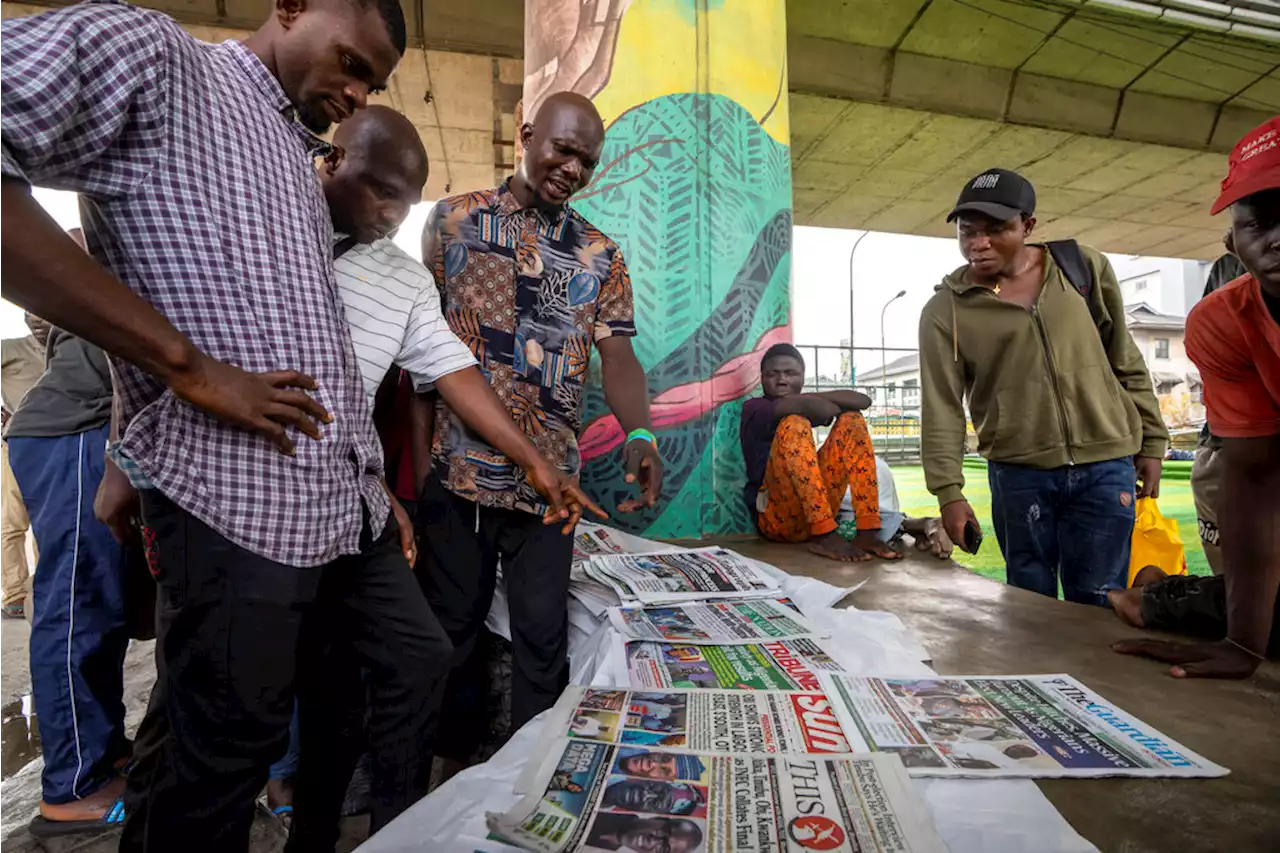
{"x": 1127, "y": 603}
{"x": 868, "y": 541}
{"x": 280, "y": 800}
{"x": 91, "y": 808}
{"x": 930, "y": 536}
{"x": 833, "y": 546}
{"x": 1148, "y": 574}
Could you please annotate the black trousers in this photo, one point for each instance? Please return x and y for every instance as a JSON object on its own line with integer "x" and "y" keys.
{"x": 463, "y": 543}
{"x": 235, "y": 633}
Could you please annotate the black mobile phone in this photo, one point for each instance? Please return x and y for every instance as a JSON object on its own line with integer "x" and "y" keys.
{"x": 972, "y": 537}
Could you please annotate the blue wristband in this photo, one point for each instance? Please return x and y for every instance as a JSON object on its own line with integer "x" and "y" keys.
{"x": 642, "y": 435}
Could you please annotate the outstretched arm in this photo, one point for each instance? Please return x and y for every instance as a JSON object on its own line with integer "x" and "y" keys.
{"x": 1249, "y": 523}
{"x": 470, "y": 396}
{"x": 78, "y": 84}
{"x": 627, "y": 392}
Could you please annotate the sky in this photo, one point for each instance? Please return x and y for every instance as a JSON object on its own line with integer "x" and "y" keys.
{"x": 883, "y": 265}
{"x": 820, "y": 280}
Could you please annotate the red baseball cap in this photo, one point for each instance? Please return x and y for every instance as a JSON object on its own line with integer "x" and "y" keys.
{"x": 1254, "y": 165}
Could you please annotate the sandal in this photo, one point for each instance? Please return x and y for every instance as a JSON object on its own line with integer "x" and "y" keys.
{"x": 17, "y": 610}
{"x": 42, "y": 827}
{"x": 283, "y": 815}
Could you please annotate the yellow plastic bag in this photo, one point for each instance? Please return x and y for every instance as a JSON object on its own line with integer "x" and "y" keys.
{"x": 1155, "y": 542}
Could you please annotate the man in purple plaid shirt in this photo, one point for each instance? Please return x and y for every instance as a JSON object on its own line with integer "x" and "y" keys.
{"x": 211, "y": 285}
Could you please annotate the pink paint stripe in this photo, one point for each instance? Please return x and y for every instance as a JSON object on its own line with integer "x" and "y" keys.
{"x": 685, "y": 403}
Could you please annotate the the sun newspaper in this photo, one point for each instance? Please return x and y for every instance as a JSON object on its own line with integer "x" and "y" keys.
{"x": 748, "y": 620}
{"x": 689, "y": 575}
{"x": 778, "y": 665}
{"x": 603, "y": 797}
{"x": 727, "y": 721}
{"x": 1004, "y": 726}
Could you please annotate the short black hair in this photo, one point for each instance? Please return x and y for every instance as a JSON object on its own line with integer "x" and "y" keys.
{"x": 393, "y": 15}
{"x": 781, "y": 351}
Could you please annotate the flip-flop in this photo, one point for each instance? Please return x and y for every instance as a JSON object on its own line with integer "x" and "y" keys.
{"x": 14, "y": 611}
{"x": 42, "y": 827}
{"x": 282, "y": 814}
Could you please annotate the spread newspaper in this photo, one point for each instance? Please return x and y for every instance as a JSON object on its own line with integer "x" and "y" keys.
{"x": 746, "y": 620}
{"x": 1005, "y": 726}
{"x": 690, "y": 575}
{"x": 604, "y": 797}
{"x": 777, "y": 665}
{"x": 729, "y": 721}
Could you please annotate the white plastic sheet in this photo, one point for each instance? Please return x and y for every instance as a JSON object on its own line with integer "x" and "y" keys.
{"x": 971, "y": 816}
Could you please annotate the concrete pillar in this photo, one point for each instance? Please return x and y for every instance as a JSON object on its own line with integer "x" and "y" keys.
{"x": 695, "y": 186}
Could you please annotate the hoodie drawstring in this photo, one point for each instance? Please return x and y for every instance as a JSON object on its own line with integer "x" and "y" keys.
{"x": 955, "y": 336}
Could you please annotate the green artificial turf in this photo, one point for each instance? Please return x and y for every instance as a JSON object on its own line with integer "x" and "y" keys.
{"x": 1175, "y": 502}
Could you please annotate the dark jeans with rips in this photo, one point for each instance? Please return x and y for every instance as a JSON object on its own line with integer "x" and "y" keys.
{"x": 463, "y": 546}
{"x": 235, "y": 634}
{"x": 1072, "y": 524}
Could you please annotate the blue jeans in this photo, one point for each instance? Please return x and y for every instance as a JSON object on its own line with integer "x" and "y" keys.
{"x": 79, "y": 632}
{"x": 287, "y": 767}
{"x": 1073, "y": 523}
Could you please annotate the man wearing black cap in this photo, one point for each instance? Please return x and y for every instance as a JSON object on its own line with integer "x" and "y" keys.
{"x": 1034, "y": 336}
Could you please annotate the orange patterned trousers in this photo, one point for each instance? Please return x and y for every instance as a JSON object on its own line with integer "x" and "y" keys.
{"x": 806, "y": 484}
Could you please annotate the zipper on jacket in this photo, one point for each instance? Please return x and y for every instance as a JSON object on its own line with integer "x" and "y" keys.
{"x": 1053, "y": 380}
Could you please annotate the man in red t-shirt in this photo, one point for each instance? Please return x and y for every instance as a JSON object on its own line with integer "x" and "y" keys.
{"x": 1233, "y": 336}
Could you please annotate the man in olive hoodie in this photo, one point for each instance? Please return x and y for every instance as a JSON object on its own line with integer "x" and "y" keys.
{"x": 1060, "y": 397}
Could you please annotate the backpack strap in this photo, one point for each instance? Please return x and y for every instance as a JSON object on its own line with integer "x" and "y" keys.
{"x": 1070, "y": 258}
{"x": 346, "y": 244}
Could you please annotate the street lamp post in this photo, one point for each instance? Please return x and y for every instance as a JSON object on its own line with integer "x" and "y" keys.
{"x": 853, "y": 370}
{"x": 883, "y": 359}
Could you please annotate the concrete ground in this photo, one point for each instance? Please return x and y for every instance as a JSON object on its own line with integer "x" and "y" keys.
{"x": 972, "y": 626}
{"x": 975, "y": 626}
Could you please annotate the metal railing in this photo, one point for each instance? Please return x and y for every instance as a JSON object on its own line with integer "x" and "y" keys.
{"x": 894, "y": 416}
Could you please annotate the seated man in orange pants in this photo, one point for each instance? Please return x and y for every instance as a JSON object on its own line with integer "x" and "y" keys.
{"x": 794, "y": 488}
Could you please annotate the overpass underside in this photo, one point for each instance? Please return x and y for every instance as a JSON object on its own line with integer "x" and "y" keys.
{"x": 1122, "y": 122}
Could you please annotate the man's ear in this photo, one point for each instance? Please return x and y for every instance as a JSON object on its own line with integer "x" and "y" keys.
{"x": 333, "y": 159}
{"x": 526, "y": 135}
{"x": 287, "y": 11}
{"x": 1229, "y": 241}
{"x": 1029, "y": 225}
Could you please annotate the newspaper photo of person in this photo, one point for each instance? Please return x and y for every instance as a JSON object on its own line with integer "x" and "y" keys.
{"x": 604, "y": 700}
{"x": 638, "y": 834}
{"x": 643, "y": 738}
{"x": 649, "y": 796}
{"x": 643, "y": 712}
{"x": 665, "y": 766}
{"x": 593, "y": 724}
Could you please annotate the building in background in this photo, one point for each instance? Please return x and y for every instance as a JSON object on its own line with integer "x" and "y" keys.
{"x": 1160, "y": 338}
{"x": 895, "y": 386}
{"x": 1166, "y": 285}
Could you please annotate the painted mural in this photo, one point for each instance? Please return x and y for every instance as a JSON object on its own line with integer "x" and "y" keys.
{"x": 695, "y": 186}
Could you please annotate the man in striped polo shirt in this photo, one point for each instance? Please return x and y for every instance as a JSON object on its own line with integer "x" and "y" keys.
{"x": 392, "y": 309}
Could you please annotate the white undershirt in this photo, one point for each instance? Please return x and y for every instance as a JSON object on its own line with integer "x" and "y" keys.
{"x": 393, "y": 311}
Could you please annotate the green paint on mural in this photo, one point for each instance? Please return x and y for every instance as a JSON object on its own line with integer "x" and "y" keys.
{"x": 650, "y": 199}
{"x": 698, "y": 196}
{"x": 688, "y": 9}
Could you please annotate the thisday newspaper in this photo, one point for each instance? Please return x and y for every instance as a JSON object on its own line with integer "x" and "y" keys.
{"x": 602, "y": 797}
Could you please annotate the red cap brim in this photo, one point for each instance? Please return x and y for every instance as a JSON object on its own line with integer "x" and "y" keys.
{"x": 1267, "y": 179}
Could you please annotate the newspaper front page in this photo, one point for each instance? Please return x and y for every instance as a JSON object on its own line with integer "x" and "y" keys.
{"x": 727, "y": 721}
{"x": 779, "y": 665}
{"x": 1006, "y": 726}
{"x": 603, "y": 797}
{"x": 747, "y": 620}
{"x": 690, "y": 575}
